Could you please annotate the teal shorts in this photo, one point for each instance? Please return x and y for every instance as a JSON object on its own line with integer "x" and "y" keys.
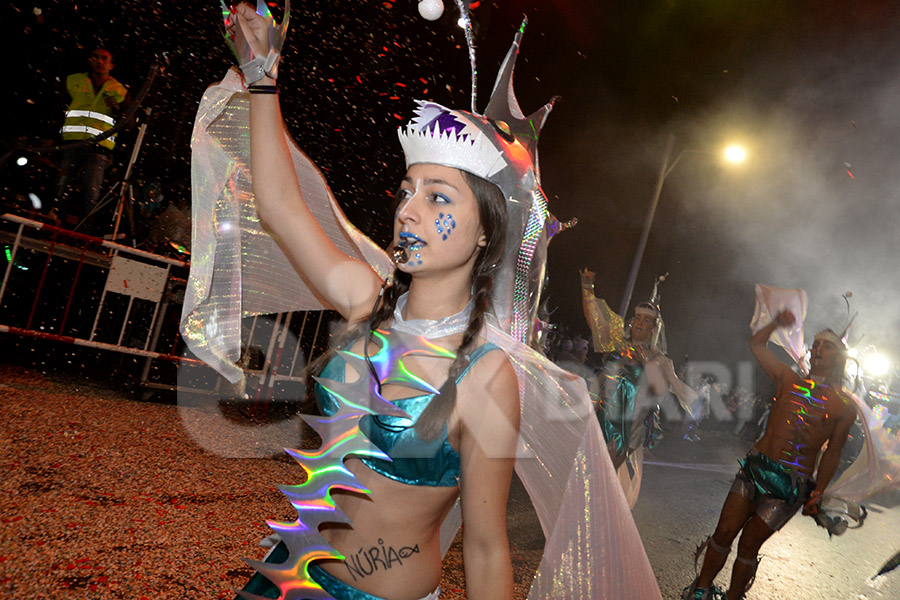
{"x": 776, "y": 492}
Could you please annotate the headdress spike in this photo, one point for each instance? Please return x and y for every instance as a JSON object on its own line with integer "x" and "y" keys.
{"x": 654, "y": 296}
{"x": 845, "y": 334}
{"x": 498, "y": 103}
{"x": 503, "y": 106}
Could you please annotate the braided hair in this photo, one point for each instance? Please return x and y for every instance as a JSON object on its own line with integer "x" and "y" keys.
{"x": 492, "y": 212}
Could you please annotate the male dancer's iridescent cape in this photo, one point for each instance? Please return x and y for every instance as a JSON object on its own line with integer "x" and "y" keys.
{"x": 592, "y": 549}
{"x": 876, "y": 469}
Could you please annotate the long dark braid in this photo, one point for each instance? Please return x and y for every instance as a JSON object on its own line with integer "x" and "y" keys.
{"x": 492, "y": 211}
{"x": 432, "y": 420}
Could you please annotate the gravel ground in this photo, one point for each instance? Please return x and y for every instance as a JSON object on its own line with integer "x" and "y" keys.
{"x": 105, "y": 496}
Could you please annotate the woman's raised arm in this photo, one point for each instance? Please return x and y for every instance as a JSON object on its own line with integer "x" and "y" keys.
{"x": 348, "y": 285}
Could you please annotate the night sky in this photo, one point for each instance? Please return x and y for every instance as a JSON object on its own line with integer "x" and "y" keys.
{"x": 810, "y": 87}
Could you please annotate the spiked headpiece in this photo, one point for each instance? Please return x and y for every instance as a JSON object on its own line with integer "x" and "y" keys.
{"x": 499, "y": 146}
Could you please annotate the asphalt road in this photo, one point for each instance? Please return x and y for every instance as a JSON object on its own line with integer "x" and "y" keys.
{"x": 684, "y": 486}
{"x": 683, "y": 489}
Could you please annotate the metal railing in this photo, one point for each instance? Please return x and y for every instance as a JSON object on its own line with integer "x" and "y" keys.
{"x": 69, "y": 287}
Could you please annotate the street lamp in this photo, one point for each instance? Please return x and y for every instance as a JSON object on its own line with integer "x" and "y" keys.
{"x": 734, "y": 154}
{"x": 876, "y": 365}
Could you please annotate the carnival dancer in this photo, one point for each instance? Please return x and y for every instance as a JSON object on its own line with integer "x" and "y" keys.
{"x": 635, "y": 374}
{"x": 380, "y": 502}
{"x": 778, "y": 477}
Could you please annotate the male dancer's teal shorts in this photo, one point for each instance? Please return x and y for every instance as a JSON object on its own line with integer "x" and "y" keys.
{"x": 777, "y": 493}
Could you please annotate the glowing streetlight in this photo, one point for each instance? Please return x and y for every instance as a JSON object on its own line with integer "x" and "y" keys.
{"x": 735, "y": 154}
{"x": 876, "y": 365}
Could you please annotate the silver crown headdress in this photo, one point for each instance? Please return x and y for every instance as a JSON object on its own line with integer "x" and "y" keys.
{"x": 499, "y": 146}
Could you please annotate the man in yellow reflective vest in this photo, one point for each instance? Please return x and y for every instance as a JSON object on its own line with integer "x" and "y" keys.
{"x": 97, "y": 101}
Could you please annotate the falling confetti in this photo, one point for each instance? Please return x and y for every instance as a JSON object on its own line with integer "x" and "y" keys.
{"x": 335, "y": 113}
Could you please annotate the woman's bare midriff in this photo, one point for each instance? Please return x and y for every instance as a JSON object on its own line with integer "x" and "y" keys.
{"x": 392, "y": 546}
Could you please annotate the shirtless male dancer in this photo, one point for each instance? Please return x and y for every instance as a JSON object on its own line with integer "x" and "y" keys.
{"x": 776, "y": 477}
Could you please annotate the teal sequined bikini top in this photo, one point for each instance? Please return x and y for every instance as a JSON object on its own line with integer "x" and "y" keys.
{"x": 414, "y": 461}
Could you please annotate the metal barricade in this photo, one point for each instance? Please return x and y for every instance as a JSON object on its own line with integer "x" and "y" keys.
{"x": 69, "y": 287}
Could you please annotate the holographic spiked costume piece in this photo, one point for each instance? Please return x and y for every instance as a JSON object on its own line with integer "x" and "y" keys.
{"x": 381, "y": 435}
{"x": 592, "y": 546}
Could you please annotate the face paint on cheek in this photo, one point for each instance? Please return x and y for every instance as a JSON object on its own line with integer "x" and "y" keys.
{"x": 415, "y": 260}
{"x": 444, "y": 225}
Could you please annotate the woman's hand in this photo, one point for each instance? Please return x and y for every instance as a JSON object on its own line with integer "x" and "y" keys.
{"x": 256, "y": 40}
{"x": 252, "y": 28}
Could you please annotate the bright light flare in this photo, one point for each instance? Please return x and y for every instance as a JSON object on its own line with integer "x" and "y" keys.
{"x": 735, "y": 154}
{"x": 21, "y": 161}
{"x": 876, "y": 365}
